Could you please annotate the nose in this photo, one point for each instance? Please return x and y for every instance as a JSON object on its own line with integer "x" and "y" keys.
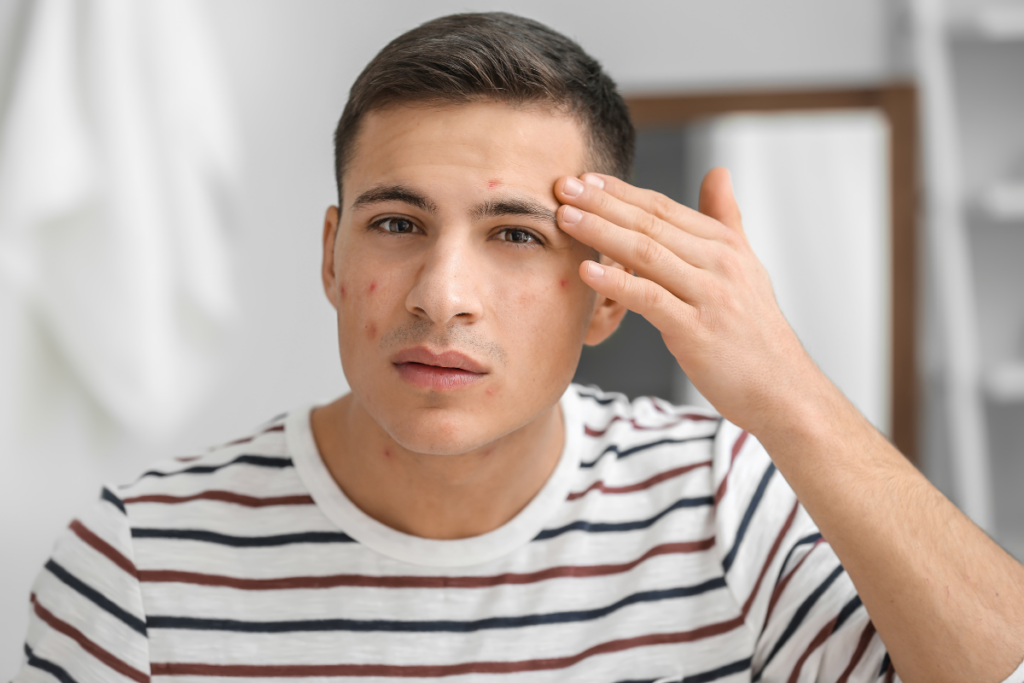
{"x": 447, "y": 287}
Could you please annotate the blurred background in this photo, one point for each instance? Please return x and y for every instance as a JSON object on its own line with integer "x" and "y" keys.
{"x": 165, "y": 167}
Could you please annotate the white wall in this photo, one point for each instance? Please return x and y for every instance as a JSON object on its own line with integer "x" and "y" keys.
{"x": 291, "y": 64}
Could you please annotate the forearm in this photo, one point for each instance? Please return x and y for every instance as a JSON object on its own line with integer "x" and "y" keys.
{"x": 947, "y": 601}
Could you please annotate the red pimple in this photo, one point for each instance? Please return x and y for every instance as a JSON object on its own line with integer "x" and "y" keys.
{"x": 371, "y": 331}
{"x": 343, "y": 291}
{"x": 565, "y": 282}
{"x": 492, "y": 184}
{"x": 387, "y": 453}
{"x": 373, "y": 286}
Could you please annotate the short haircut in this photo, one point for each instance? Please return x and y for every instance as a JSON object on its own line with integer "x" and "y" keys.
{"x": 492, "y": 56}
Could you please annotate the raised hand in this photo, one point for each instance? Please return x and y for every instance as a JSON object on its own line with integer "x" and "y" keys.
{"x": 698, "y": 281}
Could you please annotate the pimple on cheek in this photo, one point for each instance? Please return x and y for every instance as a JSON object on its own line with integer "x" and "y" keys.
{"x": 373, "y": 286}
{"x": 371, "y": 330}
{"x": 564, "y": 283}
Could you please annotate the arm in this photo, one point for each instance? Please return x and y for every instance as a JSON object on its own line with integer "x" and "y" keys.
{"x": 86, "y": 619}
{"x": 946, "y": 600}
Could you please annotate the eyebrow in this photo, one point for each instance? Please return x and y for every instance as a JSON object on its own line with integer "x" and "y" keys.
{"x": 515, "y": 206}
{"x": 394, "y": 193}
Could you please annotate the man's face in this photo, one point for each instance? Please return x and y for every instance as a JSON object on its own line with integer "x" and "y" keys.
{"x": 448, "y": 254}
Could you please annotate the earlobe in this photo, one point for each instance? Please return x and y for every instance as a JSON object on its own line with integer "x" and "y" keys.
{"x": 327, "y": 264}
{"x": 607, "y": 314}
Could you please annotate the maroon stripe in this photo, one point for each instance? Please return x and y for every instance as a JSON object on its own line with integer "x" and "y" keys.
{"x": 771, "y": 556}
{"x": 187, "y": 458}
{"x": 657, "y": 479}
{"x": 890, "y": 673}
{"x": 426, "y": 671}
{"x": 226, "y": 497}
{"x": 245, "y": 439}
{"x": 92, "y": 648}
{"x": 693, "y": 417}
{"x": 781, "y": 585}
{"x": 740, "y": 440}
{"x": 822, "y": 636}
{"x": 362, "y": 581}
{"x": 862, "y": 646}
{"x": 103, "y": 547}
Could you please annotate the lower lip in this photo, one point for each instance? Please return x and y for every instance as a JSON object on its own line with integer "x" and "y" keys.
{"x": 436, "y": 378}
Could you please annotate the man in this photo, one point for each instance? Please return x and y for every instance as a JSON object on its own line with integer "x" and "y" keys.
{"x": 465, "y": 512}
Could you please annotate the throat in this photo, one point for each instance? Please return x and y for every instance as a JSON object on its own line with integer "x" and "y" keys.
{"x": 441, "y": 497}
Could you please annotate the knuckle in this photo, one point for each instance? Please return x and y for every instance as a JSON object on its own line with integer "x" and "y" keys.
{"x": 649, "y": 224}
{"x": 661, "y": 205}
{"x": 650, "y": 297}
{"x": 646, "y": 250}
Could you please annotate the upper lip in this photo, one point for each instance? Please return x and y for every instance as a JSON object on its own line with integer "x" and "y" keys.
{"x": 445, "y": 359}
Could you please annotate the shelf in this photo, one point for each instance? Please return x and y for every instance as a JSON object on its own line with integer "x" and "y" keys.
{"x": 1003, "y": 201}
{"x": 1005, "y": 382}
{"x": 995, "y": 23}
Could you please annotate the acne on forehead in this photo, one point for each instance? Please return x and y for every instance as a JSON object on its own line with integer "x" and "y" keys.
{"x": 493, "y": 184}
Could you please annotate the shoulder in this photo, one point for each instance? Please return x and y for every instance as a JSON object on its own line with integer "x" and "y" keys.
{"x": 615, "y": 425}
{"x": 249, "y": 462}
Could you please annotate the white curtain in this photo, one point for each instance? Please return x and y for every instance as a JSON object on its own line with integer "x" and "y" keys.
{"x": 117, "y": 151}
{"x": 813, "y": 189}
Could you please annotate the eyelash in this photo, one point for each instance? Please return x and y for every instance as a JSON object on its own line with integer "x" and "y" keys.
{"x": 379, "y": 226}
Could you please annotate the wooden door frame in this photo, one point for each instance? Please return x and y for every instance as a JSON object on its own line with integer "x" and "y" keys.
{"x": 898, "y": 103}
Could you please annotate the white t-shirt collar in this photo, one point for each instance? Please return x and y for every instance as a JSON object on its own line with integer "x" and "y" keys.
{"x": 514, "y": 534}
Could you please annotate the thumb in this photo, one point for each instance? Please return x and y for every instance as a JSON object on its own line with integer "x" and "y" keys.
{"x": 718, "y": 201}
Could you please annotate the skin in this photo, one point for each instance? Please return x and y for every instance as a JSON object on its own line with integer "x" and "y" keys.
{"x": 503, "y": 289}
{"x": 944, "y": 598}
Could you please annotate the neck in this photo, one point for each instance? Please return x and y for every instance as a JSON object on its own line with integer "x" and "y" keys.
{"x": 436, "y": 496}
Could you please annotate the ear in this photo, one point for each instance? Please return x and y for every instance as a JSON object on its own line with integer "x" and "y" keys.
{"x": 607, "y": 313}
{"x": 327, "y": 273}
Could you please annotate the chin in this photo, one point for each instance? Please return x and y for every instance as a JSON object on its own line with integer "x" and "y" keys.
{"x": 432, "y": 434}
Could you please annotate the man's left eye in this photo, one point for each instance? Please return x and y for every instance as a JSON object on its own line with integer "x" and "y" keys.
{"x": 519, "y": 236}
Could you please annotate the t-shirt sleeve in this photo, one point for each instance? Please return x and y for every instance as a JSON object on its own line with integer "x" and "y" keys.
{"x": 795, "y": 596}
{"x": 86, "y": 617}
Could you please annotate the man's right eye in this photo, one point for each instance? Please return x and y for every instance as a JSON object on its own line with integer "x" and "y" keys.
{"x": 396, "y": 226}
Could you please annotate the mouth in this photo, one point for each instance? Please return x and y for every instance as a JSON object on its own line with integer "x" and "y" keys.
{"x": 438, "y": 371}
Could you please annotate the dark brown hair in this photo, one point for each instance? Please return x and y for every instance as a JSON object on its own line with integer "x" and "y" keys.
{"x": 492, "y": 56}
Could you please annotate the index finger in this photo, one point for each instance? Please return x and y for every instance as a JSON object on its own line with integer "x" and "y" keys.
{"x": 657, "y": 204}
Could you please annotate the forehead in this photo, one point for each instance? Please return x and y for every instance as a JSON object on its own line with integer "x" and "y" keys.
{"x": 474, "y": 146}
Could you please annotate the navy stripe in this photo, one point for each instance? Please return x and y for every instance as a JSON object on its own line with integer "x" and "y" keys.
{"x": 258, "y": 460}
{"x": 799, "y": 616}
{"x": 597, "y": 399}
{"x": 748, "y": 515}
{"x": 244, "y": 541}
{"x": 642, "y": 447}
{"x": 811, "y": 538}
{"x": 49, "y": 667}
{"x": 713, "y": 675}
{"x": 602, "y": 527}
{"x": 100, "y": 600}
{"x": 848, "y": 609}
{"x": 394, "y": 626}
{"x": 885, "y": 666}
{"x": 109, "y": 496}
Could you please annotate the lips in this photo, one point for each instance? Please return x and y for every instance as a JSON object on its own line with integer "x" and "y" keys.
{"x": 438, "y": 371}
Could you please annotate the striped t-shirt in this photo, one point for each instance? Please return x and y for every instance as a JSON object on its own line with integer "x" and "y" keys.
{"x": 665, "y": 546}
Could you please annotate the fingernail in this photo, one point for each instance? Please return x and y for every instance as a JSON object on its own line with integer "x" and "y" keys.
{"x": 594, "y": 270}
{"x": 570, "y": 215}
{"x": 572, "y": 188}
{"x": 594, "y": 180}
